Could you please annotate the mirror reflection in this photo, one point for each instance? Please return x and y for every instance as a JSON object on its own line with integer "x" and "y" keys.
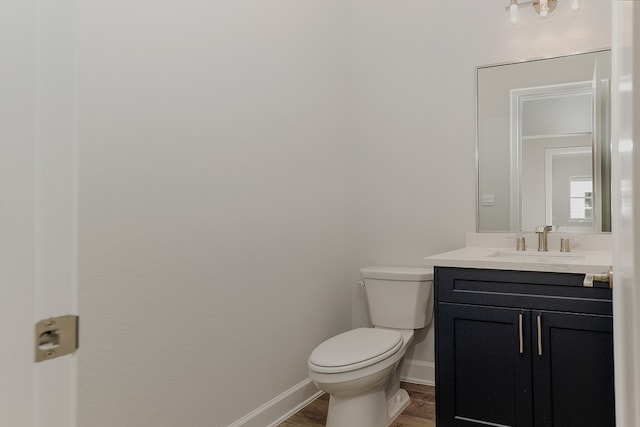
{"x": 543, "y": 144}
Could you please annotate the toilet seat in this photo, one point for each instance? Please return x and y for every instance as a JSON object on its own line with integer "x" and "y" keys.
{"x": 355, "y": 349}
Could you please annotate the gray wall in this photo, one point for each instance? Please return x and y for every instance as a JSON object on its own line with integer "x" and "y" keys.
{"x": 215, "y": 205}
{"x": 240, "y": 160}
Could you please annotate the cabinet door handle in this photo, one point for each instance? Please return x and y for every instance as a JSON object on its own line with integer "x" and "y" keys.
{"x": 539, "y": 318}
{"x": 520, "y": 333}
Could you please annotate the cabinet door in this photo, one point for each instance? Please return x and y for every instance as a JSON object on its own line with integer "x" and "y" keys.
{"x": 573, "y": 369}
{"x": 483, "y": 374}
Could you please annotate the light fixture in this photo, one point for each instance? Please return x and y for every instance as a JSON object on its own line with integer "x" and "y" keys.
{"x": 541, "y": 7}
{"x": 513, "y": 11}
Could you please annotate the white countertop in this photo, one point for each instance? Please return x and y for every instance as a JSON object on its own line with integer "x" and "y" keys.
{"x": 590, "y": 257}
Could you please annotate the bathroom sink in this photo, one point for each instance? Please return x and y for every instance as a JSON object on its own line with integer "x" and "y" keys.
{"x": 551, "y": 255}
{"x": 497, "y": 252}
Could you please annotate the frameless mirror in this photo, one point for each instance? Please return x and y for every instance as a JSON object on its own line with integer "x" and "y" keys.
{"x": 543, "y": 144}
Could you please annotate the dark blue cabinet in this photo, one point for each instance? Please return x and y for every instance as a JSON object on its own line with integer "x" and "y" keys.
{"x": 506, "y": 355}
{"x": 573, "y": 370}
{"x": 484, "y": 366}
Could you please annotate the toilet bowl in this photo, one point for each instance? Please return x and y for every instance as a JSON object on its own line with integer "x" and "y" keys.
{"x": 358, "y": 368}
{"x": 358, "y": 385}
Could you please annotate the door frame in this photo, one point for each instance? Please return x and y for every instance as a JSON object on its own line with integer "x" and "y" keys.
{"x": 37, "y": 206}
{"x": 518, "y": 98}
{"x": 550, "y": 154}
{"x": 625, "y": 131}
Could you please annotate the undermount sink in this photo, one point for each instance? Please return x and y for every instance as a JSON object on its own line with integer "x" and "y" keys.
{"x": 551, "y": 255}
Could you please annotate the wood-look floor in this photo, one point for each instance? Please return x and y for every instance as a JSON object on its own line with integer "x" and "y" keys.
{"x": 421, "y": 412}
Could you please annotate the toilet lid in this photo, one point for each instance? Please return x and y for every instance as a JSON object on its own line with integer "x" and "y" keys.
{"x": 354, "y": 349}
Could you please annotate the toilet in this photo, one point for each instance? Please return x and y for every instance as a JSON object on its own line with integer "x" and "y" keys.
{"x": 358, "y": 368}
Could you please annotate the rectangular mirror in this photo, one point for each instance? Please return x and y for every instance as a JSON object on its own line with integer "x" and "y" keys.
{"x": 543, "y": 144}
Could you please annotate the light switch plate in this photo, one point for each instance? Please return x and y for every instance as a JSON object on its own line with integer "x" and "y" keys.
{"x": 488, "y": 200}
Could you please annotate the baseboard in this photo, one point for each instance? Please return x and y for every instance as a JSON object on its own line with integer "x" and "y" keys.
{"x": 278, "y": 409}
{"x": 418, "y": 372}
{"x": 281, "y": 407}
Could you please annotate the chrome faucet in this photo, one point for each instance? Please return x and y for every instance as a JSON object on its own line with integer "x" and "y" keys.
{"x": 542, "y": 231}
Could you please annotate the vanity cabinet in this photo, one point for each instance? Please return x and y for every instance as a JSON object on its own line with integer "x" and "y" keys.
{"x": 518, "y": 348}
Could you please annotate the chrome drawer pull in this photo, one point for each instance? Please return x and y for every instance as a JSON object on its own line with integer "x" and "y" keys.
{"x": 520, "y": 333}
{"x": 539, "y": 335}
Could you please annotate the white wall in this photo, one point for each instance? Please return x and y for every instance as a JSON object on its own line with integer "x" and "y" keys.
{"x": 219, "y": 144}
{"x": 414, "y": 116}
{"x": 214, "y": 204}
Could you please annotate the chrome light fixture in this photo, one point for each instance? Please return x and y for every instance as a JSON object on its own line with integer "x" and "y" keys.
{"x": 513, "y": 11}
{"x": 541, "y": 7}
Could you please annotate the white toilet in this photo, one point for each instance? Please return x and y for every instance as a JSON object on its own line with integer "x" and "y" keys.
{"x": 358, "y": 368}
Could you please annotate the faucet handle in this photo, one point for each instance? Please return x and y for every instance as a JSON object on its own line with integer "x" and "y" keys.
{"x": 542, "y": 237}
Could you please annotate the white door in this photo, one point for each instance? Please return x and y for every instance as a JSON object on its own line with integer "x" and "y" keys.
{"x": 626, "y": 218}
{"x": 37, "y": 231}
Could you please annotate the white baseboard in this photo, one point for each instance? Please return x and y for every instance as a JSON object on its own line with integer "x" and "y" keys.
{"x": 418, "y": 372}
{"x": 278, "y": 409}
{"x": 281, "y": 407}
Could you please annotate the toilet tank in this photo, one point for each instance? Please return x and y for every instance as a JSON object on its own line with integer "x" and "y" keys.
{"x": 399, "y": 297}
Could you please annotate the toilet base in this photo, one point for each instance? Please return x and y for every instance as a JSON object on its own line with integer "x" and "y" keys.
{"x": 368, "y": 410}
{"x": 397, "y": 404}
